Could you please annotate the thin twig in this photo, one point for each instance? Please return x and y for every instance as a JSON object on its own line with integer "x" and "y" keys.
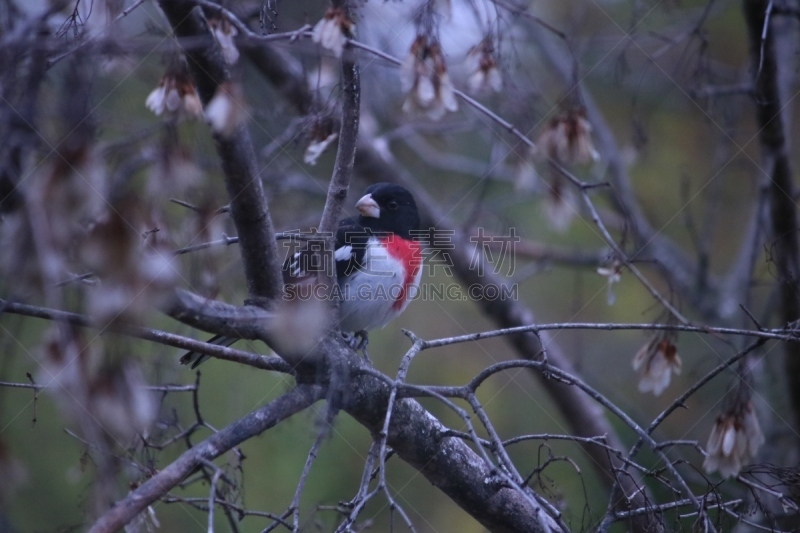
{"x": 248, "y": 426}
{"x": 212, "y": 492}
{"x": 161, "y": 337}
{"x": 158, "y": 388}
{"x": 312, "y": 456}
{"x": 199, "y": 503}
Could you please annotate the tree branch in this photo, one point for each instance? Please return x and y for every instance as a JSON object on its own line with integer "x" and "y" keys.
{"x": 251, "y": 425}
{"x": 447, "y": 462}
{"x": 161, "y": 337}
{"x": 770, "y": 107}
{"x": 345, "y": 156}
{"x": 346, "y": 153}
{"x": 249, "y": 209}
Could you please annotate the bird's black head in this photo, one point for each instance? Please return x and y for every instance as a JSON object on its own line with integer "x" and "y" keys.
{"x": 388, "y": 207}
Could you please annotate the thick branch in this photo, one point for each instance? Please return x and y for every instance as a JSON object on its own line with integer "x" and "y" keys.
{"x": 244, "y": 322}
{"x": 249, "y": 209}
{"x": 446, "y": 461}
{"x": 770, "y": 104}
{"x": 251, "y": 425}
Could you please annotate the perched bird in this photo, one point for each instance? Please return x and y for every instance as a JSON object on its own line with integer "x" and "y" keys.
{"x": 378, "y": 263}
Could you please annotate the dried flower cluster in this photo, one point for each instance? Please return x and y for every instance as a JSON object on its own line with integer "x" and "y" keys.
{"x": 226, "y": 110}
{"x": 91, "y": 382}
{"x": 175, "y": 96}
{"x": 526, "y": 178}
{"x": 613, "y": 275}
{"x": 735, "y": 438}
{"x": 136, "y": 273}
{"x": 561, "y": 205}
{"x": 63, "y": 196}
{"x": 224, "y": 32}
{"x": 567, "y": 139}
{"x": 425, "y": 79}
{"x": 175, "y": 172}
{"x": 482, "y": 68}
{"x": 320, "y": 137}
{"x": 332, "y": 30}
{"x": 656, "y": 361}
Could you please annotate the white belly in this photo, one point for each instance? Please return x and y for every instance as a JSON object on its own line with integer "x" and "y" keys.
{"x": 371, "y": 299}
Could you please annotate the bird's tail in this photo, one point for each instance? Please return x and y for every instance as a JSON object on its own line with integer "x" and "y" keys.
{"x": 196, "y": 358}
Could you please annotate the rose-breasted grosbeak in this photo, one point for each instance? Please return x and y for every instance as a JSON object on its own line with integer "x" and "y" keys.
{"x": 378, "y": 263}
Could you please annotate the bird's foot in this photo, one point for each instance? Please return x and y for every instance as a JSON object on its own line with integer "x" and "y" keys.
{"x": 363, "y": 340}
{"x": 358, "y": 341}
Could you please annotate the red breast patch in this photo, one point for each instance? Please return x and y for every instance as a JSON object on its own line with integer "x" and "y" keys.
{"x": 409, "y": 254}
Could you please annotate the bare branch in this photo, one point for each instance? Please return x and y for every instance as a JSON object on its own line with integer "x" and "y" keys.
{"x": 249, "y": 208}
{"x": 156, "y": 388}
{"x": 294, "y": 508}
{"x": 675, "y": 262}
{"x": 346, "y": 153}
{"x": 448, "y": 463}
{"x": 679, "y": 402}
{"x": 567, "y": 378}
{"x": 249, "y": 426}
{"x": 345, "y": 156}
{"x": 161, "y": 337}
{"x": 767, "y": 56}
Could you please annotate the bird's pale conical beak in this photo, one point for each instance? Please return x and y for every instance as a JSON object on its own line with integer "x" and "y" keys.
{"x": 368, "y": 207}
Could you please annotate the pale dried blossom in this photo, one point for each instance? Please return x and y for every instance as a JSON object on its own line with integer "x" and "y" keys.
{"x": 425, "y": 79}
{"x": 481, "y": 65}
{"x": 320, "y": 138}
{"x": 656, "y": 361}
{"x": 175, "y": 95}
{"x": 521, "y": 162}
{"x": 226, "y": 111}
{"x": 525, "y": 176}
{"x": 146, "y": 521}
{"x": 207, "y": 223}
{"x": 613, "y": 275}
{"x": 567, "y": 139}
{"x": 325, "y": 76}
{"x": 297, "y": 327}
{"x": 91, "y": 382}
{"x": 63, "y": 195}
{"x": 332, "y": 30}
{"x": 224, "y": 32}
{"x": 735, "y": 439}
{"x": 175, "y": 172}
{"x": 136, "y": 274}
{"x": 120, "y": 401}
{"x": 560, "y": 205}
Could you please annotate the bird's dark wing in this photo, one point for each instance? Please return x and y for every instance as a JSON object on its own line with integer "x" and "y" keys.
{"x": 351, "y": 243}
{"x": 196, "y": 359}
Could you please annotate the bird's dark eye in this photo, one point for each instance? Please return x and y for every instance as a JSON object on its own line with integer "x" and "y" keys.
{"x": 392, "y": 205}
